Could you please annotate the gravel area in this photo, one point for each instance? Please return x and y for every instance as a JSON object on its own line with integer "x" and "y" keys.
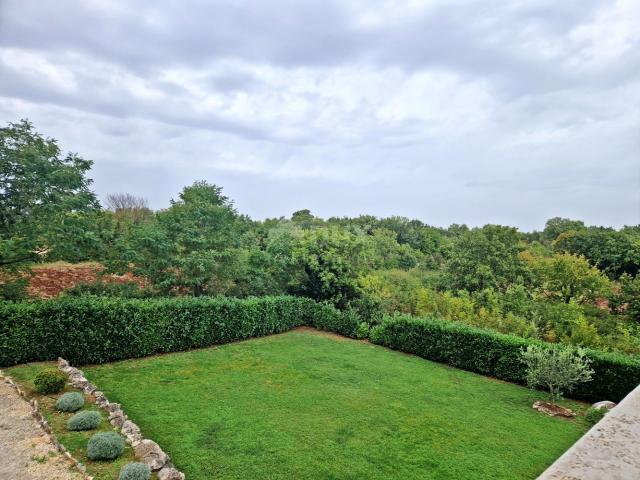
{"x": 25, "y": 451}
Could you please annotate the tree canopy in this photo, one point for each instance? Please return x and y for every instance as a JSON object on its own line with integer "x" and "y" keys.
{"x": 47, "y": 208}
{"x": 570, "y": 283}
{"x": 486, "y": 257}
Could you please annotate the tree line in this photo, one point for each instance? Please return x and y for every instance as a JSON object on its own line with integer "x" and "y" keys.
{"x": 568, "y": 283}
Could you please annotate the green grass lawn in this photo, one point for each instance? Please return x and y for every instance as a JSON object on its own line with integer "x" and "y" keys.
{"x": 302, "y": 405}
{"x": 306, "y": 405}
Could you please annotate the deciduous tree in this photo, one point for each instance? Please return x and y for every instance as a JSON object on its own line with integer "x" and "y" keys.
{"x": 568, "y": 277}
{"x": 484, "y": 258}
{"x": 45, "y": 200}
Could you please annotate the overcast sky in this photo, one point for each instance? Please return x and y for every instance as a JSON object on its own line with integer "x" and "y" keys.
{"x": 447, "y": 111}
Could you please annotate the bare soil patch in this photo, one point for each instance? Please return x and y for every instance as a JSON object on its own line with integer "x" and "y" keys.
{"x": 50, "y": 280}
{"x": 553, "y": 410}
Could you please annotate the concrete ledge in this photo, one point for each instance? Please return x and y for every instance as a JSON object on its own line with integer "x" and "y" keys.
{"x": 610, "y": 450}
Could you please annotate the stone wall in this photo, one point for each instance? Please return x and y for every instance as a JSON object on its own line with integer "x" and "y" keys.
{"x": 610, "y": 450}
{"x": 146, "y": 451}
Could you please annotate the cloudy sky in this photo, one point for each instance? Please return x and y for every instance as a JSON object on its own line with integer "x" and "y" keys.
{"x": 447, "y": 111}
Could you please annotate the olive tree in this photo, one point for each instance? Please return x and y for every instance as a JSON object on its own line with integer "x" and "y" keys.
{"x": 556, "y": 368}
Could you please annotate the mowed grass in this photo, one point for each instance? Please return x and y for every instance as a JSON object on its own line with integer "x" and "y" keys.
{"x": 309, "y": 406}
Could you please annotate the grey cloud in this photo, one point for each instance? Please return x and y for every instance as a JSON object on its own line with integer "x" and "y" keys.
{"x": 101, "y": 98}
{"x": 193, "y": 33}
{"x": 480, "y": 38}
{"x": 559, "y": 139}
{"x": 232, "y": 82}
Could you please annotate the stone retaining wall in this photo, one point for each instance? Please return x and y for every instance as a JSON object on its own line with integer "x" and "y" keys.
{"x": 610, "y": 450}
{"x": 145, "y": 450}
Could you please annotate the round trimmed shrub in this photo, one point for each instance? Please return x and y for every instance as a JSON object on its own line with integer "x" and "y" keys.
{"x": 70, "y": 402}
{"x": 50, "y": 381}
{"x": 84, "y": 421}
{"x": 105, "y": 446}
{"x": 135, "y": 471}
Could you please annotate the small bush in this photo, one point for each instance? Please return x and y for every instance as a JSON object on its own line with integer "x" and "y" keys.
{"x": 14, "y": 288}
{"x": 377, "y": 334}
{"x": 84, "y": 421}
{"x": 50, "y": 381}
{"x": 105, "y": 446}
{"x": 135, "y": 471}
{"x": 344, "y": 322}
{"x": 556, "y": 367}
{"x": 369, "y": 309}
{"x": 594, "y": 415}
{"x": 109, "y": 289}
{"x": 363, "y": 330}
{"x": 70, "y": 402}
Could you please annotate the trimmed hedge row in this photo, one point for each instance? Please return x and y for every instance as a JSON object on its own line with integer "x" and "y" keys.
{"x": 327, "y": 317}
{"x": 101, "y": 329}
{"x": 498, "y": 355}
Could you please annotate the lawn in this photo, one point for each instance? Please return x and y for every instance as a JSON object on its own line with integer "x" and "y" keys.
{"x": 306, "y": 405}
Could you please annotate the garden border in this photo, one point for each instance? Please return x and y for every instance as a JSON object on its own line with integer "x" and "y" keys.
{"x": 44, "y": 425}
{"x": 146, "y": 450}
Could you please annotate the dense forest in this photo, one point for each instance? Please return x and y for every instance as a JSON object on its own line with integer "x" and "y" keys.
{"x": 569, "y": 283}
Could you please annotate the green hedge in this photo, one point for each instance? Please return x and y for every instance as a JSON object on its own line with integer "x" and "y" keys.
{"x": 498, "y": 355}
{"x": 327, "y": 317}
{"x": 100, "y": 329}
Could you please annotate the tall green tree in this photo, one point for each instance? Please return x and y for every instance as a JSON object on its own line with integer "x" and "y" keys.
{"x": 486, "y": 257}
{"x": 331, "y": 261}
{"x": 193, "y": 246}
{"x": 305, "y": 219}
{"x": 626, "y": 300}
{"x": 387, "y": 253}
{"x": 46, "y": 204}
{"x": 567, "y": 278}
{"x": 557, "y": 225}
{"x": 613, "y": 252}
